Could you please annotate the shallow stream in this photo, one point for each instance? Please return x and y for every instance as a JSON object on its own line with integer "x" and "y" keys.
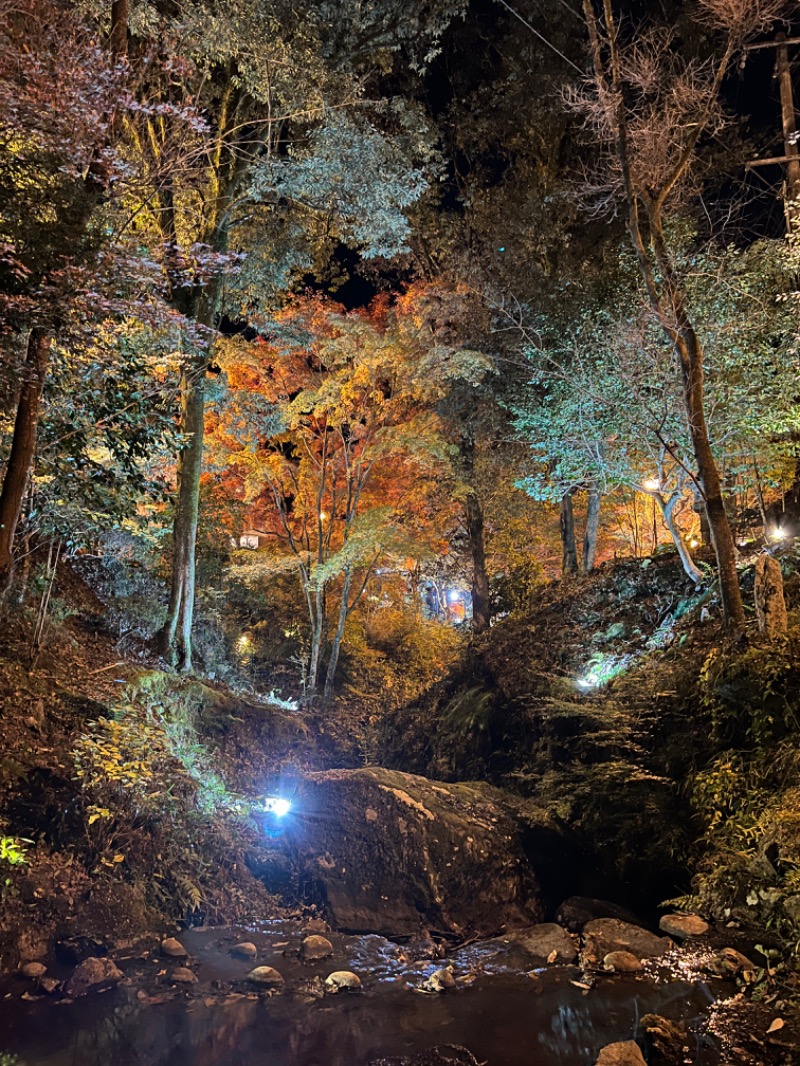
{"x": 504, "y": 1012}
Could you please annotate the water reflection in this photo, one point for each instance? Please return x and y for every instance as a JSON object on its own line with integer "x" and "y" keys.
{"x": 505, "y": 1019}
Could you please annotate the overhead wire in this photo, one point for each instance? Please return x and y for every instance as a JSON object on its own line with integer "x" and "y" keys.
{"x": 542, "y": 37}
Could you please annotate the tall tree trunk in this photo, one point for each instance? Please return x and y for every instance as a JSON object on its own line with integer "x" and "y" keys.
{"x": 569, "y": 556}
{"x": 176, "y": 636}
{"x": 481, "y": 614}
{"x": 691, "y": 355}
{"x": 592, "y": 528}
{"x": 336, "y": 646}
{"x": 480, "y": 579}
{"x": 23, "y": 447}
{"x": 317, "y": 641}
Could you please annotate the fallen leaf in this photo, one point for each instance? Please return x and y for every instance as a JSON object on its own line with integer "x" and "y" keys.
{"x": 776, "y": 1025}
{"x": 553, "y": 956}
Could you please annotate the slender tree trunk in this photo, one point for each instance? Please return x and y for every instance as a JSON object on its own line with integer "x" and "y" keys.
{"x": 317, "y": 641}
{"x": 699, "y": 508}
{"x": 23, "y": 447}
{"x": 691, "y": 356}
{"x": 336, "y": 646}
{"x": 668, "y": 513}
{"x": 480, "y": 579}
{"x": 569, "y": 557}
{"x": 118, "y": 35}
{"x": 176, "y": 636}
{"x": 592, "y": 528}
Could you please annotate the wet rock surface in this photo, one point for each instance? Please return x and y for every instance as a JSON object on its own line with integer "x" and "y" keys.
{"x": 680, "y": 926}
{"x": 91, "y": 975}
{"x": 393, "y": 853}
{"x": 605, "y": 935}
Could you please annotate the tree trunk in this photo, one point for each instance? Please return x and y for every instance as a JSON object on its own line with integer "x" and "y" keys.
{"x": 699, "y": 508}
{"x": 176, "y": 636}
{"x": 480, "y": 580}
{"x": 691, "y": 358}
{"x": 592, "y": 528}
{"x": 118, "y": 35}
{"x": 569, "y": 557}
{"x": 317, "y": 641}
{"x": 688, "y": 563}
{"x": 336, "y": 647}
{"x": 23, "y": 447}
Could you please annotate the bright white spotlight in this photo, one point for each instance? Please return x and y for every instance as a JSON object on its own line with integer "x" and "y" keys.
{"x": 652, "y": 484}
{"x": 277, "y": 805}
{"x": 778, "y": 533}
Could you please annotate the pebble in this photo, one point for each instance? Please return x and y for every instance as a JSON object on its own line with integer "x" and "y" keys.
{"x": 342, "y": 979}
{"x": 265, "y": 975}
{"x": 182, "y": 976}
{"x": 245, "y": 950}
{"x": 33, "y": 969}
{"x": 173, "y": 948}
{"x": 315, "y": 947}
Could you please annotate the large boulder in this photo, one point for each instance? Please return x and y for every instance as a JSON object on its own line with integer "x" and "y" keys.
{"x": 393, "y": 853}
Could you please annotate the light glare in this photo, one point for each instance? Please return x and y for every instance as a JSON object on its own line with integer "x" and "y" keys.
{"x": 277, "y": 805}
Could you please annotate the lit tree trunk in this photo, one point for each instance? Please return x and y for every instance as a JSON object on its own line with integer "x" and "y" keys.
{"x": 336, "y": 646}
{"x": 23, "y": 447}
{"x": 667, "y": 507}
{"x": 592, "y": 528}
{"x": 569, "y": 557}
{"x": 480, "y": 580}
{"x": 475, "y": 533}
{"x": 317, "y": 640}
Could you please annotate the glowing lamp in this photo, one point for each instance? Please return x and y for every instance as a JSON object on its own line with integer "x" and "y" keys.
{"x": 277, "y": 805}
{"x": 778, "y": 533}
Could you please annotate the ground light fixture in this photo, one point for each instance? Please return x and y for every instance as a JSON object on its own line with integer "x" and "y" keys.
{"x": 277, "y": 805}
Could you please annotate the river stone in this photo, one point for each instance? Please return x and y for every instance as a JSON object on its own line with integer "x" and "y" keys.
{"x": 682, "y": 925}
{"x": 431, "y": 855}
{"x": 622, "y": 962}
{"x": 315, "y": 947}
{"x": 576, "y": 911}
{"x": 182, "y": 976}
{"x": 729, "y": 961}
{"x": 265, "y": 975}
{"x": 92, "y": 974}
{"x": 342, "y": 979}
{"x": 604, "y": 935}
{"x": 624, "y": 1053}
{"x": 443, "y": 978}
{"x": 173, "y": 948}
{"x": 245, "y": 950}
{"x": 33, "y": 969}
{"x": 543, "y": 940}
